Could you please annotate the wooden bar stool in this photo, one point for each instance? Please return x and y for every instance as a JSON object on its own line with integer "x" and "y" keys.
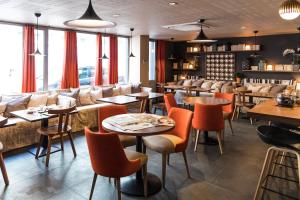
{"x": 55, "y": 131}
{"x": 2, "y": 165}
{"x": 242, "y": 103}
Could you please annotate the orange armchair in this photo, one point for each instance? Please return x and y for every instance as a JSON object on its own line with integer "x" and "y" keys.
{"x": 109, "y": 159}
{"x": 229, "y": 109}
{"x": 112, "y": 110}
{"x": 208, "y": 118}
{"x": 173, "y": 141}
{"x": 170, "y": 101}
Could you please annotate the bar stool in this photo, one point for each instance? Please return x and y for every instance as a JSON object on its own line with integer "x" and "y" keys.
{"x": 283, "y": 144}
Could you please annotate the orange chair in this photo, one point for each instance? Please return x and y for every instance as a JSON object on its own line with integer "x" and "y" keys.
{"x": 112, "y": 110}
{"x": 173, "y": 141}
{"x": 170, "y": 101}
{"x": 227, "y": 110}
{"x": 109, "y": 159}
{"x": 208, "y": 118}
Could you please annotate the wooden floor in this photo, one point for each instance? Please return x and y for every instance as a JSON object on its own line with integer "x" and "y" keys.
{"x": 214, "y": 177}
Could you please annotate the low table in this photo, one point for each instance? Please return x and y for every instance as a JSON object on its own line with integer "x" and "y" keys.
{"x": 151, "y": 95}
{"x": 119, "y": 100}
{"x": 134, "y": 185}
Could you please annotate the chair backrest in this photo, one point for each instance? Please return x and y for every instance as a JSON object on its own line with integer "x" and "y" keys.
{"x": 143, "y": 104}
{"x": 229, "y": 96}
{"x": 170, "y": 101}
{"x": 208, "y": 117}
{"x": 108, "y": 111}
{"x": 183, "y": 120}
{"x": 107, "y": 155}
{"x": 62, "y": 113}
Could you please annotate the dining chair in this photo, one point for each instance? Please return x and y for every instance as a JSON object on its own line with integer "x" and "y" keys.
{"x": 242, "y": 103}
{"x": 174, "y": 141}
{"x": 170, "y": 101}
{"x": 109, "y": 159}
{"x": 208, "y": 118}
{"x": 228, "y": 109}
{"x": 144, "y": 102}
{"x": 2, "y": 166}
{"x": 58, "y": 130}
{"x": 112, "y": 110}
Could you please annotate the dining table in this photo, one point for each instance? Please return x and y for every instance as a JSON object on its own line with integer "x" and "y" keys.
{"x": 134, "y": 185}
{"x": 190, "y": 101}
{"x": 119, "y": 100}
{"x": 149, "y": 95}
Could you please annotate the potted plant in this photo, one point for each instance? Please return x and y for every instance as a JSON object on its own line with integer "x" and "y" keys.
{"x": 239, "y": 76}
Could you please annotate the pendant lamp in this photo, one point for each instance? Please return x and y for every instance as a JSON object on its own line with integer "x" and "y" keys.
{"x": 255, "y": 54}
{"x": 289, "y": 9}
{"x": 104, "y": 57}
{"x": 171, "y": 56}
{"x": 202, "y": 38}
{"x": 37, "y": 51}
{"x": 131, "y": 54}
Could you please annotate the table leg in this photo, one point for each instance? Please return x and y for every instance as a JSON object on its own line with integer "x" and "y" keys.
{"x": 44, "y": 124}
{"x": 133, "y": 185}
{"x": 148, "y": 110}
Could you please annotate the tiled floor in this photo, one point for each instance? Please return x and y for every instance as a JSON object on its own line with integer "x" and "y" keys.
{"x": 214, "y": 177}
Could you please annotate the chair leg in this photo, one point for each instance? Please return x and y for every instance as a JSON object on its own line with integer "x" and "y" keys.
{"x": 61, "y": 141}
{"x": 164, "y": 160}
{"x": 39, "y": 147}
{"x": 230, "y": 124}
{"x": 251, "y": 121}
{"x": 234, "y": 112}
{"x": 93, "y": 186}
{"x": 154, "y": 112}
{"x": 168, "y": 159}
{"x": 186, "y": 164}
{"x": 196, "y": 142}
{"x": 72, "y": 143}
{"x": 3, "y": 170}
{"x": 118, "y": 188}
{"x": 145, "y": 180}
{"x": 144, "y": 149}
{"x": 48, "y": 151}
{"x": 219, "y": 136}
{"x": 238, "y": 112}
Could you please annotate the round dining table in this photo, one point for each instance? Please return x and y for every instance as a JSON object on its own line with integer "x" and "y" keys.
{"x": 133, "y": 185}
{"x": 206, "y": 101}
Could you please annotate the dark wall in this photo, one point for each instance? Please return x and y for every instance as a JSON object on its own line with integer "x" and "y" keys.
{"x": 272, "y": 47}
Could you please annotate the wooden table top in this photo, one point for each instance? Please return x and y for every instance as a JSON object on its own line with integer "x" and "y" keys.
{"x": 151, "y": 95}
{"x": 198, "y": 89}
{"x": 261, "y": 95}
{"x": 270, "y": 111}
{"x": 143, "y": 132}
{"x": 5, "y": 122}
{"x": 206, "y": 101}
{"x": 119, "y": 100}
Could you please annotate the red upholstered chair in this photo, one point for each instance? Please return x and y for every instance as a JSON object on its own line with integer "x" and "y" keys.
{"x": 227, "y": 110}
{"x": 173, "y": 141}
{"x": 109, "y": 159}
{"x": 170, "y": 101}
{"x": 112, "y": 110}
{"x": 208, "y": 118}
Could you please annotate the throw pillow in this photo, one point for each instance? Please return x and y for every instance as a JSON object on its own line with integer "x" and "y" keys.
{"x": 187, "y": 83}
{"x": 65, "y": 101}
{"x": 85, "y": 97}
{"x": 52, "y": 99}
{"x": 254, "y": 88}
{"x": 107, "y": 92}
{"x": 16, "y": 104}
{"x": 207, "y": 85}
{"x": 37, "y": 100}
{"x": 180, "y": 82}
{"x": 198, "y": 83}
{"x": 217, "y": 85}
{"x": 125, "y": 89}
{"x": 74, "y": 94}
{"x": 136, "y": 88}
{"x": 265, "y": 89}
{"x": 96, "y": 94}
{"x": 116, "y": 91}
{"x": 277, "y": 89}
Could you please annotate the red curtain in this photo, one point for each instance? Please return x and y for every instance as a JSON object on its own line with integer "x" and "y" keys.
{"x": 70, "y": 69}
{"x": 98, "y": 71}
{"x": 113, "y": 64}
{"x": 28, "y": 76}
{"x": 161, "y": 61}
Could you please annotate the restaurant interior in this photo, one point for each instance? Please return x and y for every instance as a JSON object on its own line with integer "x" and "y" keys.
{"x": 162, "y": 100}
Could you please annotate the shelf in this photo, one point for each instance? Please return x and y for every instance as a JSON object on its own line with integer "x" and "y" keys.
{"x": 185, "y": 69}
{"x": 271, "y": 71}
{"x": 246, "y": 51}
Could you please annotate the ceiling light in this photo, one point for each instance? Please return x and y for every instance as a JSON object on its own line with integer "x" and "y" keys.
{"x": 90, "y": 20}
{"x": 172, "y": 56}
{"x": 104, "y": 57}
{"x": 255, "y": 54}
{"x": 202, "y": 38}
{"x": 289, "y": 9}
{"x": 116, "y": 15}
{"x": 173, "y": 3}
{"x": 37, "y": 51}
{"x": 243, "y": 27}
{"x": 131, "y": 54}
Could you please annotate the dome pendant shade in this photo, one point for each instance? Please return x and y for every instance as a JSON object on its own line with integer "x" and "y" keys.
{"x": 89, "y": 20}
{"x": 37, "y": 53}
{"x": 289, "y": 10}
{"x": 202, "y": 38}
{"x": 104, "y": 57}
{"x": 131, "y": 55}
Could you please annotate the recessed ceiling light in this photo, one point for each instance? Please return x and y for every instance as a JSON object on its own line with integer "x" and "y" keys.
{"x": 116, "y": 15}
{"x": 243, "y": 27}
{"x": 173, "y": 3}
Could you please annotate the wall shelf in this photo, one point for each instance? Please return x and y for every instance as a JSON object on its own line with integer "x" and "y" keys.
{"x": 185, "y": 69}
{"x": 271, "y": 71}
{"x": 207, "y": 52}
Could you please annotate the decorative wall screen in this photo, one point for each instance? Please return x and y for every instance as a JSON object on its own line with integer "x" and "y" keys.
{"x": 220, "y": 66}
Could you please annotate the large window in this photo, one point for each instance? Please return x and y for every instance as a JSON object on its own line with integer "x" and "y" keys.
{"x": 123, "y": 59}
{"x": 55, "y": 58}
{"x": 39, "y": 60}
{"x": 152, "y": 60}
{"x": 86, "y": 51}
{"x": 105, "y": 62}
{"x": 11, "y": 54}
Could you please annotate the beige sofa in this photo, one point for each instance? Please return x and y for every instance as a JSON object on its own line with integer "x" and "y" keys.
{"x": 24, "y": 133}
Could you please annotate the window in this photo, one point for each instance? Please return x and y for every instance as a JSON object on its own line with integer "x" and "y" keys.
{"x": 152, "y": 60}
{"x": 105, "y": 62}
{"x": 11, "y": 53}
{"x": 39, "y": 60}
{"x": 123, "y": 59}
{"x": 86, "y": 52}
{"x": 55, "y": 58}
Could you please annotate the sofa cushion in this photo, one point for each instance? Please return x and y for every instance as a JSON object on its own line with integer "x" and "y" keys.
{"x": 125, "y": 89}
{"x": 254, "y": 88}
{"x": 198, "y": 83}
{"x": 116, "y": 91}
{"x": 66, "y": 101}
{"x": 37, "y": 100}
{"x": 107, "y": 92}
{"x": 73, "y": 94}
{"x": 52, "y": 99}
{"x": 85, "y": 97}
{"x": 96, "y": 94}
{"x": 277, "y": 89}
{"x": 217, "y": 85}
{"x": 265, "y": 89}
{"x": 16, "y": 104}
{"x": 180, "y": 82}
{"x": 187, "y": 82}
{"x": 136, "y": 87}
{"x": 207, "y": 84}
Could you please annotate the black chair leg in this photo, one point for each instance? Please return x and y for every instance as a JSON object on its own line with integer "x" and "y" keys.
{"x": 93, "y": 186}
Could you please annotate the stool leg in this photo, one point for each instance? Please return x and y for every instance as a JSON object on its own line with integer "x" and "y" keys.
{"x": 3, "y": 170}
{"x": 48, "y": 150}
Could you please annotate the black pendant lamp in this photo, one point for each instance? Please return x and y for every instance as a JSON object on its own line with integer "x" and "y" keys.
{"x": 202, "y": 38}
{"x": 171, "y": 56}
{"x": 37, "y": 51}
{"x": 255, "y": 54}
{"x": 104, "y": 57}
{"x": 131, "y": 54}
{"x": 89, "y": 20}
